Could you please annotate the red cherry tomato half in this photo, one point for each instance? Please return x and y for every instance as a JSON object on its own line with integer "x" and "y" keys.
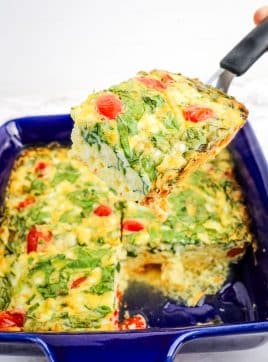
{"x": 28, "y": 201}
{"x": 132, "y": 225}
{"x": 11, "y": 319}
{"x": 109, "y": 105}
{"x": 103, "y": 210}
{"x": 197, "y": 113}
{"x": 234, "y": 252}
{"x": 32, "y": 240}
{"x": 135, "y": 322}
{"x": 39, "y": 168}
{"x": 34, "y": 236}
{"x": 153, "y": 83}
{"x": 77, "y": 282}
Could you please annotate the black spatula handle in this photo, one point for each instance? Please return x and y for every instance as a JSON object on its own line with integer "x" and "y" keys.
{"x": 245, "y": 53}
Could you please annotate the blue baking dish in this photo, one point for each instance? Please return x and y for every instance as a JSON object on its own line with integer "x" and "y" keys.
{"x": 242, "y": 304}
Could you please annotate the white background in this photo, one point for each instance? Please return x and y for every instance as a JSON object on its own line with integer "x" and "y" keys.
{"x": 53, "y": 53}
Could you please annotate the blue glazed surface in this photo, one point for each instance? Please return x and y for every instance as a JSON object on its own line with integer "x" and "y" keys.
{"x": 242, "y": 304}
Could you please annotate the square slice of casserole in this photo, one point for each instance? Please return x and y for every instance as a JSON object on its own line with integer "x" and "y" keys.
{"x": 60, "y": 201}
{"x": 143, "y": 136}
{"x": 69, "y": 291}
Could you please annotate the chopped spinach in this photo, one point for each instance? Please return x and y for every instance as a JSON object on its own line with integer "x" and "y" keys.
{"x": 106, "y": 283}
{"x": 195, "y": 138}
{"x": 45, "y": 266}
{"x": 29, "y": 300}
{"x": 160, "y": 141}
{"x": 57, "y": 271}
{"x": 123, "y": 135}
{"x": 32, "y": 308}
{"x": 70, "y": 217}
{"x": 131, "y": 125}
{"x": 133, "y": 107}
{"x": 37, "y": 186}
{"x": 87, "y": 258}
{"x": 84, "y": 322}
{"x": 94, "y": 136}
{"x": 113, "y": 190}
{"x": 100, "y": 240}
{"x": 92, "y": 319}
{"x": 65, "y": 172}
{"x": 132, "y": 254}
{"x": 85, "y": 198}
{"x": 171, "y": 122}
{"x": 37, "y": 215}
{"x": 103, "y": 310}
{"x": 5, "y": 292}
{"x": 53, "y": 290}
{"x": 149, "y": 167}
{"x": 153, "y": 102}
{"x": 120, "y": 205}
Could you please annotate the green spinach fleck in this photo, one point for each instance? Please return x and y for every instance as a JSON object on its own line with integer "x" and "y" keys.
{"x": 37, "y": 187}
{"x": 160, "y": 141}
{"x": 153, "y": 102}
{"x": 85, "y": 198}
{"x": 170, "y": 122}
{"x": 32, "y": 308}
{"x": 106, "y": 283}
{"x": 65, "y": 172}
{"x": 5, "y": 292}
{"x": 70, "y": 217}
{"x": 94, "y": 136}
{"x": 37, "y": 215}
{"x": 149, "y": 167}
{"x": 123, "y": 135}
{"x": 87, "y": 258}
{"x": 53, "y": 290}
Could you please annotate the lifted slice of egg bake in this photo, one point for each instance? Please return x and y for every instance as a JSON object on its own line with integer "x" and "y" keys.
{"x": 145, "y": 135}
{"x": 70, "y": 247}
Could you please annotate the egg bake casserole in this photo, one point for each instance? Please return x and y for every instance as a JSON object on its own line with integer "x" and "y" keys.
{"x": 70, "y": 245}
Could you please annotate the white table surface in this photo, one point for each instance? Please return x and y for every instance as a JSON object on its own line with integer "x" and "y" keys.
{"x": 55, "y": 52}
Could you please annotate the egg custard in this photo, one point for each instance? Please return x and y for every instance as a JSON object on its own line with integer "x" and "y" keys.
{"x": 70, "y": 245}
{"x": 145, "y": 135}
{"x": 60, "y": 236}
